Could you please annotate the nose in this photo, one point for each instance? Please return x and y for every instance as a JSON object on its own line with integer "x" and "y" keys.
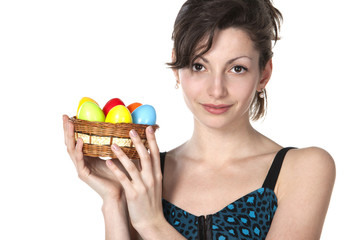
{"x": 217, "y": 86}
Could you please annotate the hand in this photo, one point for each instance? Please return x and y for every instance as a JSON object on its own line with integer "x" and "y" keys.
{"x": 144, "y": 190}
{"x": 92, "y": 171}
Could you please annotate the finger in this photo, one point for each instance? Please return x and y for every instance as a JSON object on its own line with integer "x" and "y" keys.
{"x": 127, "y": 164}
{"x": 65, "y": 120}
{"x": 145, "y": 159}
{"x": 70, "y": 139}
{"x": 79, "y": 161}
{"x": 154, "y": 152}
{"x": 121, "y": 177}
{"x": 67, "y": 135}
{"x": 79, "y": 156}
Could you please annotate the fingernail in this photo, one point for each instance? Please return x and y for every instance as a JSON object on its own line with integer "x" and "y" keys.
{"x": 109, "y": 162}
{"x": 115, "y": 147}
{"x": 150, "y": 129}
{"x": 133, "y": 133}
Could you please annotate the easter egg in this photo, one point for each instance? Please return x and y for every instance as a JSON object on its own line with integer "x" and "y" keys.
{"x": 90, "y": 111}
{"x": 84, "y": 99}
{"x": 119, "y": 114}
{"x": 133, "y": 106}
{"x": 112, "y": 103}
{"x": 144, "y": 114}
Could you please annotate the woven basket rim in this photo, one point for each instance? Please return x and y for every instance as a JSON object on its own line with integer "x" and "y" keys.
{"x": 111, "y": 125}
{"x": 98, "y": 137}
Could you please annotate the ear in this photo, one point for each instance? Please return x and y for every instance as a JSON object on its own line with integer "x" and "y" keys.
{"x": 265, "y": 76}
{"x": 175, "y": 71}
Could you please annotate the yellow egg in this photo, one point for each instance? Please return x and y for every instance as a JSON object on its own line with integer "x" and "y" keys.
{"x": 84, "y": 99}
{"x": 119, "y": 114}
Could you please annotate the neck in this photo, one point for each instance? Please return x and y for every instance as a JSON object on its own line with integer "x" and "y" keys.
{"x": 221, "y": 145}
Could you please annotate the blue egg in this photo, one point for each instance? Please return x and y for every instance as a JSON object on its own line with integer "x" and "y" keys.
{"x": 144, "y": 114}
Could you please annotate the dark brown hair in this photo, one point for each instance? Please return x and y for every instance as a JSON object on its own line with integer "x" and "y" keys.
{"x": 198, "y": 20}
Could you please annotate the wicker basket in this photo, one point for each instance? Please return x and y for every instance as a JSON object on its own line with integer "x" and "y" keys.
{"x": 99, "y": 136}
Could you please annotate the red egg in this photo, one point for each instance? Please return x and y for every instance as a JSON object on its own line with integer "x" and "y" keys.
{"x": 112, "y": 103}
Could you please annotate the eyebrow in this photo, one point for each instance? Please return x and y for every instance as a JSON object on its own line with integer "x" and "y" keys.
{"x": 228, "y": 62}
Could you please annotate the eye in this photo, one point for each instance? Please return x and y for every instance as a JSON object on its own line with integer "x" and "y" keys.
{"x": 197, "y": 67}
{"x": 238, "y": 69}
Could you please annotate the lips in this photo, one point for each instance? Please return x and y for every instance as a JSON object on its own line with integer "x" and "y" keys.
{"x": 216, "y": 109}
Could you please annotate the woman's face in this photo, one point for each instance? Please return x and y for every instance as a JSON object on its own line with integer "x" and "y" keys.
{"x": 219, "y": 87}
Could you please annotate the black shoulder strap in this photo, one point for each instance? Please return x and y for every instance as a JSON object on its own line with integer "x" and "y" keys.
{"x": 272, "y": 176}
{"x": 162, "y": 161}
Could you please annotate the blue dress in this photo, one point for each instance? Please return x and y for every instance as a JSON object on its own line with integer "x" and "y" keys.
{"x": 247, "y": 218}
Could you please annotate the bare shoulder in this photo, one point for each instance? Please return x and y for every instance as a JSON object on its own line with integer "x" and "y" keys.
{"x": 311, "y": 162}
{"x": 315, "y": 155}
{"x": 305, "y": 183}
{"x": 306, "y": 167}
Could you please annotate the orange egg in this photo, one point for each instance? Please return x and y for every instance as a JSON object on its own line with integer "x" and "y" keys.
{"x": 133, "y": 106}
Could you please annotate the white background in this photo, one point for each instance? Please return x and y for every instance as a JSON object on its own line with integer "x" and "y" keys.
{"x": 52, "y": 53}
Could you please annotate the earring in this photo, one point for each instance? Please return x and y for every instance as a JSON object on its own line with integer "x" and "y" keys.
{"x": 177, "y": 85}
{"x": 262, "y": 93}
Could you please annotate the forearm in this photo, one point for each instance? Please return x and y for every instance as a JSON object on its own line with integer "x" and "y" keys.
{"x": 116, "y": 220}
{"x": 162, "y": 231}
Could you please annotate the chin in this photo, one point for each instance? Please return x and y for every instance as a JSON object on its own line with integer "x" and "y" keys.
{"x": 223, "y": 122}
{"x": 215, "y": 123}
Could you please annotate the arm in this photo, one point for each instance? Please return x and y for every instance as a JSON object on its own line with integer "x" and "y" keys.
{"x": 162, "y": 230}
{"x": 144, "y": 190}
{"x": 116, "y": 220}
{"x": 304, "y": 189}
{"x": 95, "y": 173}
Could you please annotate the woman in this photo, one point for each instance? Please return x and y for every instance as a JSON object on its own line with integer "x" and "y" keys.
{"x": 227, "y": 181}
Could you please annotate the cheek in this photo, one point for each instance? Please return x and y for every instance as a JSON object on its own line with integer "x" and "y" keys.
{"x": 244, "y": 91}
{"x": 190, "y": 87}
{"x": 190, "y": 91}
